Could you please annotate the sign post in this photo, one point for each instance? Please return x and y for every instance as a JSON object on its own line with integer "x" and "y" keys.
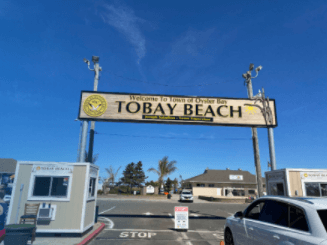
{"x": 181, "y": 218}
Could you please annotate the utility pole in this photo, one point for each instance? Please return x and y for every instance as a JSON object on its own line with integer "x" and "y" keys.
{"x": 272, "y": 148}
{"x": 247, "y": 76}
{"x": 79, "y": 141}
{"x": 85, "y": 125}
{"x": 268, "y": 117}
{"x": 96, "y": 70}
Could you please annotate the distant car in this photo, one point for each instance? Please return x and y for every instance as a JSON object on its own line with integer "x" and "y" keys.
{"x": 279, "y": 220}
{"x": 186, "y": 195}
{"x": 7, "y": 199}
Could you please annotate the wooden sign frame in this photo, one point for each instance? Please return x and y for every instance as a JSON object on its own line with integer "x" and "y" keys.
{"x": 174, "y": 109}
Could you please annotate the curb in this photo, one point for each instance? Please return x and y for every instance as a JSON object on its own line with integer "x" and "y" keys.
{"x": 92, "y": 235}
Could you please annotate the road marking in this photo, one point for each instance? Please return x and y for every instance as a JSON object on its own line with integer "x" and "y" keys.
{"x": 132, "y": 234}
{"x": 147, "y": 230}
{"x": 111, "y": 223}
{"x": 186, "y": 238}
{"x": 172, "y": 217}
{"x": 148, "y": 213}
{"x": 107, "y": 210}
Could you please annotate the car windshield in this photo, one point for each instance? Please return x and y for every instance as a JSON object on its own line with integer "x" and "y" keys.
{"x": 323, "y": 216}
{"x": 186, "y": 192}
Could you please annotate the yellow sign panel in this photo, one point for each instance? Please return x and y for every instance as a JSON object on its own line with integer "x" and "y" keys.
{"x": 171, "y": 109}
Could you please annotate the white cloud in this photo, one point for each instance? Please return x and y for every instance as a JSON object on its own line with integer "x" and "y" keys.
{"x": 125, "y": 21}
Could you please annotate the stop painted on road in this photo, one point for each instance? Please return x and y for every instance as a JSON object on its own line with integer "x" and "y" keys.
{"x": 134, "y": 234}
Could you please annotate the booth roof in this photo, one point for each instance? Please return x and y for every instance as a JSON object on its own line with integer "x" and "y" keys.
{"x": 7, "y": 165}
{"x": 222, "y": 176}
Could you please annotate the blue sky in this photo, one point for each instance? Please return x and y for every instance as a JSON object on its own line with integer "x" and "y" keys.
{"x": 170, "y": 48}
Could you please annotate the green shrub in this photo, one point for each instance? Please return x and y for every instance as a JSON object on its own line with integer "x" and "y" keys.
{"x": 100, "y": 192}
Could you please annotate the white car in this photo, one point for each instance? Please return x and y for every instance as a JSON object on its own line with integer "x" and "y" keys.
{"x": 7, "y": 199}
{"x": 186, "y": 195}
{"x": 279, "y": 220}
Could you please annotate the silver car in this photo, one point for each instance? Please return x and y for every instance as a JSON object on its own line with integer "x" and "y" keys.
{"x": 274, "y": 220}
{"x": 7, "y": 199}
{"x": 186, "y": 195}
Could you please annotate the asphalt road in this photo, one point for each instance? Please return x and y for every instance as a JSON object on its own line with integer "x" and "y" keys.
{"x": 152, "y": 222}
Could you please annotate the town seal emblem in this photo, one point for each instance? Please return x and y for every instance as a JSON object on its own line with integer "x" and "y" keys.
{"x": 95, "y": 105}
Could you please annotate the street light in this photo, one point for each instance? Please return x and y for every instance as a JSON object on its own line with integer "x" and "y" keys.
{"x": 258, "y": 69}
{"x": 82, "y": 146}
{"x": 95, "y": 59}
{"x": 247, "y": 76}
{"x": 97, "y": 69}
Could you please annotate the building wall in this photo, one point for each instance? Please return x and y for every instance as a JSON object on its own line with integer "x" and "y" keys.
{"x": 295, "y": 183}
{"x": 205, "y": 191}
{"x": 68, "y": 214}
{"x": 89, "y": 213}
{"x": 212, "y": 191}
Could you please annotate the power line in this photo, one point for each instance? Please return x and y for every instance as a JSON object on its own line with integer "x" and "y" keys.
{"x": 161, "y": 84}
{"x": 159, "y": 137}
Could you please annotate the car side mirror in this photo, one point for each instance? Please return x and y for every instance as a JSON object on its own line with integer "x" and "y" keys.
{"x": 238, "y": 214}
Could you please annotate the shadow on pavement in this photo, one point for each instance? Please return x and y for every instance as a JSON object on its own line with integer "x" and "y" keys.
{"x": 158, "y": 216}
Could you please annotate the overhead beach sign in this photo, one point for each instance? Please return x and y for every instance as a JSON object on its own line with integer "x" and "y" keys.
{"x": 171, "y": 109}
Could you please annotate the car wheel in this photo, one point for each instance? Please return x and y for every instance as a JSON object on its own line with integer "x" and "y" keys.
{"x": 228, "y": 237}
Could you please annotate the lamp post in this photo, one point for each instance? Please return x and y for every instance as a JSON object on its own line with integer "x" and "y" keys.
{"x": 96, "y": 70}
{"x": 247, "y": 76}
{"x": 268, "y": 118}
{"x": 79, "y": 141}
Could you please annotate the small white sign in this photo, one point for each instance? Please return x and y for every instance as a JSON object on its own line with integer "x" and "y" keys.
{"x": 236, "y": 177}
{"x": 314, "y": 175}
{"x": 275, "y": 176}
{"x": 149, "y": 189}
{"x": 49, "y": 169}
{"x": 181, "y": 217}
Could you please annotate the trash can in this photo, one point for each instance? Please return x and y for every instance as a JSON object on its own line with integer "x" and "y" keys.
{"x": 18, "y": 233}
{"x": 169, "y": 196}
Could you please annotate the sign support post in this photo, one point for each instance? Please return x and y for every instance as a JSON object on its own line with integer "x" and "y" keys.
{"x": 255, "y": 140}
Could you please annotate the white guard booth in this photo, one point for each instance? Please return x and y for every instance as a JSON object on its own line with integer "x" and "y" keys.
{"x": 295, "y": 182}
{"x": 66, "y": 193}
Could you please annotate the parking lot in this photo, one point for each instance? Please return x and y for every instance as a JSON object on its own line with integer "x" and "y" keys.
{"x": 152, "y": 221}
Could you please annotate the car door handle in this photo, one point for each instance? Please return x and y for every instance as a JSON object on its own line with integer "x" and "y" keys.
{"x": 276, "y": 237}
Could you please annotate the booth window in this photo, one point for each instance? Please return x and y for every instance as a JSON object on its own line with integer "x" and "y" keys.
{"x": 277, "y": 189}
{"x": 50, "y": 186}
{"x": 316, "y": 189}
{"x": 92, "y": 187}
